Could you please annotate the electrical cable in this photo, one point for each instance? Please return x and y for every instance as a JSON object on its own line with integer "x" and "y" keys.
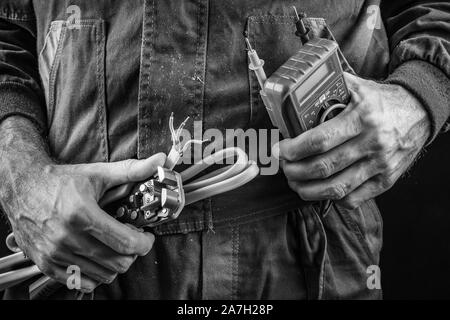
{"x": 219, "y": 181}
{"x": 15, "y": 277}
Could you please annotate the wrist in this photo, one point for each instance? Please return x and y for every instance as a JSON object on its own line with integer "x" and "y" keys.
{"x": 412, "y": 114}
{"x": 21, "y": 140}
{"x": 429, "y": 85}
{"x": 23, "y": 156}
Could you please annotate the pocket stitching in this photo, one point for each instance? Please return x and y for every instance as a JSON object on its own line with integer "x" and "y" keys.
{"x": 52, "y": 76}
{"x": 101, "y": 108}
{"x": 55, "y": 64}
{"x": 100, "y": 41}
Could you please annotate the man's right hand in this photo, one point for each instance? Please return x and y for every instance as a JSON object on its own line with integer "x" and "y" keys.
{"x": 57, "y": 222}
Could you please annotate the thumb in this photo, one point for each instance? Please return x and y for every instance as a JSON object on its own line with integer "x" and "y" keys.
{"x": 131, "y": 170}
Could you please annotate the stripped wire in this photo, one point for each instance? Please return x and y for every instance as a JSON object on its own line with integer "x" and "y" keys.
{"x": 176, "y": 135}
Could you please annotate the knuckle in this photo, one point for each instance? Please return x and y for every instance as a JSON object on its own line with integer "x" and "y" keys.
{"x": 324, "y": 169}
{"x": 124, "y": 264}
{"x": 337, "y": 191}
{"x": 319, "y": 142}
{"x": 128, "y": 245}
{"x": 368, "y": 117}
{"x": 122, "y": 268}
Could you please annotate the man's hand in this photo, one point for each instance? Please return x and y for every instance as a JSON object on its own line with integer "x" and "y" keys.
{"x": 363, "y": 151}
{"x": 56, "y": 219}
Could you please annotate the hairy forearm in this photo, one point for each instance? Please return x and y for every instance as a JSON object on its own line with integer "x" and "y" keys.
{"x": 23, "y": 153}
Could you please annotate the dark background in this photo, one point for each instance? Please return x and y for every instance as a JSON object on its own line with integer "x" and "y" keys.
{"x": 416, "y": 254}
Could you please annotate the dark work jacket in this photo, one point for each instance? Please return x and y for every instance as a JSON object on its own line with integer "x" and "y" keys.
{"x": 104, "y": 91}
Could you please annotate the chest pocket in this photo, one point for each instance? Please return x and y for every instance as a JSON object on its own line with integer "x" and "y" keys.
{"x": 72, "y": 68}
{"x": 273, "y": 37}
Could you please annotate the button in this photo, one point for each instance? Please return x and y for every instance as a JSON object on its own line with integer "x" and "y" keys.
{"x": 133, "y": 215}
{"x": 120, "y": 212}
{"x": 164, "y": 213}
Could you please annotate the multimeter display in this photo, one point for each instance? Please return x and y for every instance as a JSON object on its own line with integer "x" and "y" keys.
{"x": 317, "y": 77}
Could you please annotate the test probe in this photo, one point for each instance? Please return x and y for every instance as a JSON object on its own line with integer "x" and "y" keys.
{"x": 308, "y": 89}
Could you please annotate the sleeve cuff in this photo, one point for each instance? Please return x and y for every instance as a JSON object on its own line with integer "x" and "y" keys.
{"x": 430, "y": 86}
{"x": 18, "y": 100}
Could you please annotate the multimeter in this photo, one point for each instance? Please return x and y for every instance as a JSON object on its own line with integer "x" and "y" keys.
{"x": 308, "y": 89}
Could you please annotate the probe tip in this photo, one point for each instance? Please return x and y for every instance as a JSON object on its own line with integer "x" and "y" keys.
{"x": 248, "y": 44}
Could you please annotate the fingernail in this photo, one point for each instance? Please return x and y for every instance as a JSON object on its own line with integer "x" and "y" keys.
{"x": 276, "y": 151}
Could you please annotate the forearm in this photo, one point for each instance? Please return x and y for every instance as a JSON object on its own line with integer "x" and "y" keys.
{"x": 419, "y": 36}
{"x": 23, "y": 153}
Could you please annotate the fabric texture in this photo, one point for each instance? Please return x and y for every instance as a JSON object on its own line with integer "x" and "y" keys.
{"x": 431, "y": 86}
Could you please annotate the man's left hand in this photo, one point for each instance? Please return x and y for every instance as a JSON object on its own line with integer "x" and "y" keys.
{"x": 362, "y": 152}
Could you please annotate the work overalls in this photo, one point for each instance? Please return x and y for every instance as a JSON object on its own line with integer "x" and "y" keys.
{"x": 110, "y": 87}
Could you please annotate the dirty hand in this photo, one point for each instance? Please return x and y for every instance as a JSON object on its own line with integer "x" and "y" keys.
{"x": 363, "y": 151}
{"x": 58, "y": 223}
